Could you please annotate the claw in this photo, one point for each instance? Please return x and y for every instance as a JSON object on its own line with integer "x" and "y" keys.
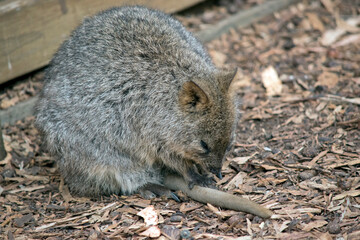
{"x": 210, "y": 181}
{"x": 191, "y": 185}
{"x": 175, "y": 197}
{"x": 217, "y": 172}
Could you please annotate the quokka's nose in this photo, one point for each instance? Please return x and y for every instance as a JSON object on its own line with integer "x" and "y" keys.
{"x": 217, "y": 172}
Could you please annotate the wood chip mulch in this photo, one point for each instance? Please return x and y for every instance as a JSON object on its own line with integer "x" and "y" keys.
{"x": 297, "y": 150}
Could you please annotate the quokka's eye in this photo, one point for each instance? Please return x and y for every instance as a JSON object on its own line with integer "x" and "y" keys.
{"x": 205, "y": 146}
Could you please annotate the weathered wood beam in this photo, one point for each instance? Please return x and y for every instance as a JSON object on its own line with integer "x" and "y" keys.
{"x": 32, "y": 30}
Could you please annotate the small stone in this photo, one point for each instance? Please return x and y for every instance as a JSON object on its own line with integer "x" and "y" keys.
{"x": 283, "y": 198}
{"x": 268, "y": 136}
{"x": 19, "y": 161}
{"x": 234, "y": 220}
{"x": 9, "y": 172}
{"x": 334, "y": 227}
{"x": 319, "y": 89}
{"x": 275, "y": 151}
{"x": 307, "y": 174}
{"x": 208, "y": 17}
{"x": 55, "y": 207}
{"x": 330, "y": 63}
{"x": 310, "y": 152}
{"x": 115, "y": 214}
{"x": 171, "y": 231}
{"x": 175, "y": 218}
{"x": 33, "y": 170}
{"x": 288, "y": 146}
{"x": 20, "y": 222}
{"x": 324, "y": 139}
{"x": 232, "y": 9}
{"x": 185, "y": 234}
{"x": 94, "y": 235}
{"x": 289, "y": 44}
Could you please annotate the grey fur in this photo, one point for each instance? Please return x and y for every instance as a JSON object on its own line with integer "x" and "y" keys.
{"x": 110, "y": 110}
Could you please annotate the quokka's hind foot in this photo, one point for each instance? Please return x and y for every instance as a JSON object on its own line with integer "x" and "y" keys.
{"x": 152, "y": 190}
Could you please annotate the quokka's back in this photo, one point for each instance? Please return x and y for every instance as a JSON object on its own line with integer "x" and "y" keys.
{"x": 130, "y": 95}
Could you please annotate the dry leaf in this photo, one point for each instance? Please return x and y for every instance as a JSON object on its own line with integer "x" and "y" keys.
{"x": 241, "y": 82}
{"x": 64, "y": 190}
{"x": 219, "y": 58}
{"x": 279, "y": 228}
{"x": 216, "y": 211}
{"x": 351, "y": 39}
{"x": 315, "y": 159}
{"x": 350, "y": 25}
{"x": 187, "y": 207}
{"x": 236, "y": 181}
{"x": 321, "y": 106}
{"x": 6, "y": 103}
{"x": 152, "y": 232}
{"x": 354, "y": 235}
{"x": 28, "y": 189}
{"x": 352, "y": 193}
{"x": 150, "y": 215}
{"x": 331, "y": 36}
{"x": 310, "y": 114}
{"x": 295, "y": 235}
{"x": 214, "y": 236}
{"x": 315, "y": 22}
{"x": 327, "y": 79}
{"x": 298, "y": 211}
{"x": 241, "y": 160}
{"x": 295, "y": 119}
{"x": 328, "y": 5}
{"x": 296, "y": 192}
{"x": 271, "y": 81}
{"x": 249, "y": 230}
{"x": 322, "y": 186}
{"x": 315, "y": 224}
{"x": 347, "y": 163}
{"x": 326, "y": 236}
{"x": 305, "y": 24}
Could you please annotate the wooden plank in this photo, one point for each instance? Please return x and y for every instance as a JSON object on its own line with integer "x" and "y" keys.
{"x": 32, "y": 30}
{"x": 22, "y": 110}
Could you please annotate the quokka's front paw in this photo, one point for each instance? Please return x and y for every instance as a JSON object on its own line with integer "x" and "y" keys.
{"x": 203, "y": 180}
{"x": 152, "y": 190}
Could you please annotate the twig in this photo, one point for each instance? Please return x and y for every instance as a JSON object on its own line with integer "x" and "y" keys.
{"x": 355, "y": 120}
{"x": 330, "y": 97}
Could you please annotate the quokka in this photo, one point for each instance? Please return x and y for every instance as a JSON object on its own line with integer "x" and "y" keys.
{"x": 131, "y": 97}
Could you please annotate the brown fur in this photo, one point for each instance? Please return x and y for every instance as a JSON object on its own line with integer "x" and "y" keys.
{"x": 130, "y": 96}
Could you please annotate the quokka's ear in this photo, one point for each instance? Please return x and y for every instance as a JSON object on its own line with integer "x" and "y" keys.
{"x": 225, "y": 78}
{"x": 192, "y": 97}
